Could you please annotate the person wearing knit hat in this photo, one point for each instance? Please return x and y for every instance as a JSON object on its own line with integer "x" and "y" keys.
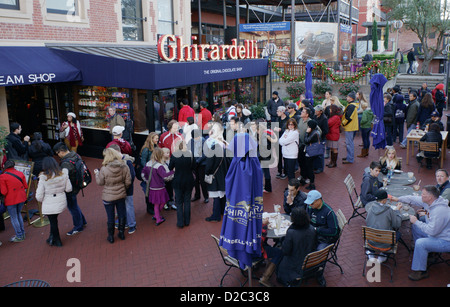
{"x": 272, "y": 106}
{"x": 351, "y": 125}
{"x": 312, "y": 136}
{"x": 71, "y": 132}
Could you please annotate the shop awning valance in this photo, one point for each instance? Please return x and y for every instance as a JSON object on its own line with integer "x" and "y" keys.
{"x": 34, "y": 65}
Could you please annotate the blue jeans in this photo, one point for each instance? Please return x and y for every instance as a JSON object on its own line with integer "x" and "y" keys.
{"x": 77, "y": 216}
{"x": 129, "y": 205}
{"x": 365, "y": 134}
{"x": 110, "y": 207}
{"x": 17, "y": 219}
{"x": 349, "y": 136}
{"x": 411, "y": 127}
{"x": 424, "y": 245}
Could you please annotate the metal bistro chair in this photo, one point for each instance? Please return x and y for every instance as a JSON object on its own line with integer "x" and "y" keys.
{"x": 342, "y": 221}
{"x": 379, "y": 236}
{"x": 429, "y": 147}
{"x": 355, "y": 199}
{"x": 29, "y": 283}
{"x": 313, "y": 265}
{"x": 231, "y": 262}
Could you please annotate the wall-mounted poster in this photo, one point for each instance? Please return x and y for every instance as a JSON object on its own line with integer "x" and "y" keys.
{"x": 278, "y": 33}
{"x": 316, "y": 41}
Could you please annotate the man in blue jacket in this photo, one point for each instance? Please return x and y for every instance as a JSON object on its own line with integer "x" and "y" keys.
{"x": 323, "y": 219}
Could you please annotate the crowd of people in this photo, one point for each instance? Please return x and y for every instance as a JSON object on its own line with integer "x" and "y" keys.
{"x": 192, "y": 156}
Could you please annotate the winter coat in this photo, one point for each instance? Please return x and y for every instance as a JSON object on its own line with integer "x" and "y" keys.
{"x": 51, "y": 192}
{"x": 388, "y": 116}
{"x": 68, "y": 162}
{"x": 411, "y": 112}
{"x": 440, "y": 99}
{"x": 15, "y": 148}
{"x": 350, "y": 117}
{"x": 168, "y": 139}
{"x": 216, "y": 162}
{"x": 116, "y": 178}
{"x": 125, "y": 147}
{"x": 322, "y": 123}
{"x": 399, "y": 112}
{"x": 185, "y": 112}
{"x": 38, "y": 154}
{"x": 296, "y": 245}
{"x": 272, "y": 107}
{"x": 367, "y": 118}
{"x": 129, "y": 160}
{"x": 298, "y": 201}
{"x": 15, "y": 192}
{"x": 115, "y": 120}
{"x": 183, "y": 163}
{"x": 289, "y": 144}
{"x": 369, "y": 186}
{"x": 334, "y": 123}
{"x": 383, "y": 217}
{"x": 432, "y": 136}
{"x": 423, "y": 114}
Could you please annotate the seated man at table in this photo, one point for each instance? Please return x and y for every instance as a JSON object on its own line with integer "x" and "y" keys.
{"x": 433, "y": 119}
{"x": 323, "y": 219}
{"x": 443, "y": 184}
{"x": 432, "y": 234}
{"x": 381, "y": 216}
{"x": 293, "y": 197}
{"x": 370, "y": 183}
{"x": 433, "y": 135}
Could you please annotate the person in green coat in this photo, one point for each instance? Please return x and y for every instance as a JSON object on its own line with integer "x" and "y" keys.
{"x": 366, "y": 127}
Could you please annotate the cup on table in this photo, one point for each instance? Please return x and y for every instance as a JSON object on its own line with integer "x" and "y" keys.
{"x": 416, "y": 187}
{"x": 405, "y": 207}
{"x": 410, "y": 175}
{"x": 277, "y": 208}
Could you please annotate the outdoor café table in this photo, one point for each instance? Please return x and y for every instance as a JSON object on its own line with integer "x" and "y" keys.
{"x": 406, "y": 226}
{"x": 272, "y": 232}
{"x": 398, "y": 177}
{"x": 415, "y": 136}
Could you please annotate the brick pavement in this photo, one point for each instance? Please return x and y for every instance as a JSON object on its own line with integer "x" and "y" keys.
{"x": 161, "y": 256}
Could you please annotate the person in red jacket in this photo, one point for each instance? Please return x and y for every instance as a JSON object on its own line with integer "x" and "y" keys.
{"x": 125, "y": 147}
{"x": 204, "y": 116}
{"x": 185, "y": 112}
{"x": 13, "y": 186}
{"x": 170, "y": 137}
{"x": 334, "y": 122}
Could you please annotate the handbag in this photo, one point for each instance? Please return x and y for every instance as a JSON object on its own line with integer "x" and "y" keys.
{"x": 315, "y": 149}
{"x": 209, "y": 178}
{"x": 2, "y": 205}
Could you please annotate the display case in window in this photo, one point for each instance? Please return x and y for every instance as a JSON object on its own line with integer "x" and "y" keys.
{"x": 92, "y": 103}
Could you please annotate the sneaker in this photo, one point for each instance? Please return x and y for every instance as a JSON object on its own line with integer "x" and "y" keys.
{"x": 381, "y": 258}
{"x": 16, "y": 239}
{"x": 283, "y": 176}
{"x": 278, "y": 176}
{"x": 131, "y": 230}
{"x": 72, "y": 232}
{"x": 418, "y": 275}
{"x": 173, "y": 206}
{"x": 371, "y": 256}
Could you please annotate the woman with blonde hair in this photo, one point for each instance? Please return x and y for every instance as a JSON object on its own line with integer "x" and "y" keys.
{"x": 154, "y": 174}
{"x": 334, "y": 101}
{"x": 390, "y": 161}
{"x": 115, "y": 177}
{"x": 51, "y": 191}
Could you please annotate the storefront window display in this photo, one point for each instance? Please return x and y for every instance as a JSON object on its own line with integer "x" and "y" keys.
{"x": 92, "y": 102}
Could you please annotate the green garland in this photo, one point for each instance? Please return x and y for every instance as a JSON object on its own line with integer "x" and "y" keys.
{"x": 388, "y": 68}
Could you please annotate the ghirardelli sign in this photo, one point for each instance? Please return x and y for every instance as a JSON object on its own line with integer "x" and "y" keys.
{"x": 203, "y": 52}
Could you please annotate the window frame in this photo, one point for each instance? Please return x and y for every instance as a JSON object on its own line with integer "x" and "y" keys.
{"x": 15, "y": 7}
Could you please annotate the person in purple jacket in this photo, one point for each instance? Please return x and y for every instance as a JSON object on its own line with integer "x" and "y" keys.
{"x": 154, "y": 173}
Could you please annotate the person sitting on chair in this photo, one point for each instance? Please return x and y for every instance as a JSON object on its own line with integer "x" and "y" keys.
{"x": 382, "y": 216}
{"x": 433, "y": 135}
{"x": 370, "y": 183}
{"x": 293, "y": 197}
{"x": 443, "y": 184}
{"x": 390, "y": 161}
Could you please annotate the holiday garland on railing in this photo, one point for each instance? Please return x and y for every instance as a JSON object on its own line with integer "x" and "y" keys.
{"x": 388, "y": 68}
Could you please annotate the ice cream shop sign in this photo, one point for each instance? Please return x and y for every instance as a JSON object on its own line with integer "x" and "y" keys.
{"x": 177, "y": 51}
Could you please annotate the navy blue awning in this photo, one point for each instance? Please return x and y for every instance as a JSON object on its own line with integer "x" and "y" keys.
{"x": 34, "y": 65}
{"x": 119, "y": 72}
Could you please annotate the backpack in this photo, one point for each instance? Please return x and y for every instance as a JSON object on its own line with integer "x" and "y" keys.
{"x": 82, "y": 174}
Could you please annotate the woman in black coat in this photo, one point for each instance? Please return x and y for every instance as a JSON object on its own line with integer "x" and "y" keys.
{"x": 38, "y": 151}
{"x": 217, "y": 165}
{"x": 300, "y": 240}
{"x": 183, "y": 162}
{"x": 433, "y": 135}
{"x": 312, "y": 136}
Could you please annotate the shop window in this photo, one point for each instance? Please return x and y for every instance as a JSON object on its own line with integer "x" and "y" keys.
{"x": 165, "y": 17}
{"x": 132, "y": 20}
{"x": 92, "y": 103}
{"x": 67, "y": 7}
{"x": 10, "y": 4}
